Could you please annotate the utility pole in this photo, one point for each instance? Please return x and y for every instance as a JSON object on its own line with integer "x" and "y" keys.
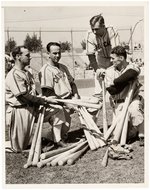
{"x": 72, "y": 54}
{"x": 8, "y": 40}
{"x": 131, "y": 39}
{"x": 41, "y": 47}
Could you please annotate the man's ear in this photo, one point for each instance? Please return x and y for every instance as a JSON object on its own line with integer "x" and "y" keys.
{"x": 121, "y": 58}
{"x": 17, "y": 56}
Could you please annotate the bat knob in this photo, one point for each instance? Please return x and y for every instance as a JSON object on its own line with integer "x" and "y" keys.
{"x": 70, "y": 162}
{"x": 60, "y": 163}
{"x": 48, "y": 164}
{"x": 42, "y": 156}
{"x": 25, "y": 166}
{"x": 39, "y": 164}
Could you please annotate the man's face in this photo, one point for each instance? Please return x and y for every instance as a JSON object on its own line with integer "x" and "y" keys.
{"x": 116, "y": 60}
{"x": 25, "y": 56}
{"x": 98, "y": 30}
{"x": 55, "y": 53}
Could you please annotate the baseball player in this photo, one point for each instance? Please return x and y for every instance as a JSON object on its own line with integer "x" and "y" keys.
{"x": 57, "y": 81}
{"x": 23, "y": 103}
{"x": 99, "y": 42}
{"x": 117, "y": 79}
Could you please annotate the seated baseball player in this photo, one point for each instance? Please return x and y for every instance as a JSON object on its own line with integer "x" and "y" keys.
{"x": 23, "y": 103}
{"x": 57, "y": 81}
{"x": 117, "y": 80}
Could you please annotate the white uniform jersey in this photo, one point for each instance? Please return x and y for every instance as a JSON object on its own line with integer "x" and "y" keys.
{"x": 101, "y": 46}
{"x": 57, "y": 79}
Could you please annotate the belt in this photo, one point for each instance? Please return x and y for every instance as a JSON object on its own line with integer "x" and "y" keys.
{"x": 21, "y": 106}
{"x": 119, "y": 101}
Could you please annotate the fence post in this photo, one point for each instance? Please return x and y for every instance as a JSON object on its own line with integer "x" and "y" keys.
{"x": 72, "y": 53}
{"x": 41, "y": 47}
{"x": 8, "y": 40}
{"x": 131, "y": 40}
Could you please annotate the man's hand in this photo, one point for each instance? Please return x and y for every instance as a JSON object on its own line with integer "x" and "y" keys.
{"x": 76, "y": 96}
{"x": 51, "y": 99}
{"x": 100, "y": 73}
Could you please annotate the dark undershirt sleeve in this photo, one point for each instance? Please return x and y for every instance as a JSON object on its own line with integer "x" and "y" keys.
{"x": 122, "y": 81}
{"x": 31, "y": 100}
{"x": 48, "y": 92}
{"x": 127, "y": 76}
{"x": 116, "y": 89}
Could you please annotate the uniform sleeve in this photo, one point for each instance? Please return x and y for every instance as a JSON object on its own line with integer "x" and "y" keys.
{"x": 18, "y": 85}
{"x": 90, "y": 46}
{"x": 46, "y": 78}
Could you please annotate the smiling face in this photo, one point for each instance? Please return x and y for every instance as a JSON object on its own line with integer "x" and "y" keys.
{"x": 116, "y": 60}
{"x": 55, "y": 53}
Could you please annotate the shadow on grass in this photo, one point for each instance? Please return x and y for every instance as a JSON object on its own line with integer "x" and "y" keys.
{"x": 75, "y": 136}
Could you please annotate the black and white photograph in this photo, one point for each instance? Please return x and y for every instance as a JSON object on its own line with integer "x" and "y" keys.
{"x": 75, "y": 108}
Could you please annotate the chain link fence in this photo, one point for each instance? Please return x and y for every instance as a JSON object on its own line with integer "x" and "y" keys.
{"x": 76, "y": 59}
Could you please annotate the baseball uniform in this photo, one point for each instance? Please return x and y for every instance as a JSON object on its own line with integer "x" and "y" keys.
{"x": 19, "y": 115}
{"x": 101, "y": 47}
{"x": 59, "y": 80}
{"x": 118, "y": 94}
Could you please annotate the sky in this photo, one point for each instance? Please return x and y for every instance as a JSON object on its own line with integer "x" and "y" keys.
{"x": 68, "y": 18}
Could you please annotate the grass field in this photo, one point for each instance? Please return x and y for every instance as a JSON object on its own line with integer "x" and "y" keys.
{"x": 87, "y": 170}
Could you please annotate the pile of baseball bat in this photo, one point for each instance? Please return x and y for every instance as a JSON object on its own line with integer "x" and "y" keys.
{"x": 35, "y": 150}
{"x": 88, "y": 103}
{"x": 119, "y": 127}
{"x": 91, "y": 131}
{"x": 68, "y": 155}
{"x": 62, "y": 156}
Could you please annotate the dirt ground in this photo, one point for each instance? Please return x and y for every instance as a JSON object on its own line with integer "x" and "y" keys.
{"x": 86, "y": 170}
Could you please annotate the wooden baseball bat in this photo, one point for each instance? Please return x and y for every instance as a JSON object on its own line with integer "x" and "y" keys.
{"x": 57, "y": 151}
{"x": 105, "y": 159}
{"x": 78, "y": 147}
{"x": 87, "y": 134}
{"x": 89, "y": 99}
{"x": 112, "y": 127}
{"x": 124, "y": 131}
{"x": 37, "y": 151}
{"x": 47, "y": 161}
{"x": 88, "y": 125}
{"x": 64, "y": 160}
{"x": 119, "y": 127}
{"x": 80, "y": 103}
{"x": 31, "y": 152}
{"x": 105, "y": 125}
{"x": 93, "y": 139}
{"x": 76, "y": 156}
{"x": 93, "y": 126}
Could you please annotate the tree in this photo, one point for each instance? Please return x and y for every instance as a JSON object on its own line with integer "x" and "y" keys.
{"x": 83, "y": 44}
{"x": 65, "y": 46}
{"x": 33, "y": 43}
{"x": 10, "y": 45}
